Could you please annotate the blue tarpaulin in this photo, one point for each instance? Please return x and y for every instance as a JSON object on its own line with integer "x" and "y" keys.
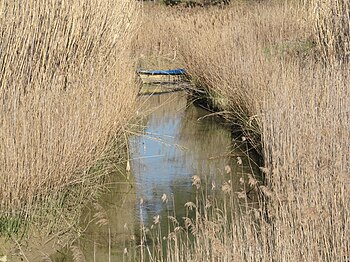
{"x": 178, "y": 71}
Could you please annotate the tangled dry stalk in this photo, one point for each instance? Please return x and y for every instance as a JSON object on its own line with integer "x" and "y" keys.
{"x": 332, "y": 22}
{"x": 261, "y": 62}
{"x": 66, "y": 91}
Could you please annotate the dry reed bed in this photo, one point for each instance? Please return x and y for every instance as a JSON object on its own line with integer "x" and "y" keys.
{"x": 66, "y": 91}
{"x": 260, "y": 64}
{"x": 306, "y": 140}
{"x": 332, "y": 22}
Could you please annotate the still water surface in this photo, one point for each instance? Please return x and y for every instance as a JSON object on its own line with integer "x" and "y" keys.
{"x": 179, "y": 140}
{"x": 178, "y": 143}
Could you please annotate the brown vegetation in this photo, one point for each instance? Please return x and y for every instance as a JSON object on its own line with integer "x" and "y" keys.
{"x": 260, "y": 62}
{"x": 66, "y": 91}
{"x": 332, "y": 22}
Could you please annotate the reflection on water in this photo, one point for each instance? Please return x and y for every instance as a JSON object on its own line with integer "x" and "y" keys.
{"x": 179, "y": 141}
{"x": 107, "y": 225}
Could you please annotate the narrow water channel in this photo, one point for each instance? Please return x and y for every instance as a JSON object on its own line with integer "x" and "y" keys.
{"x": 179, "y": 140}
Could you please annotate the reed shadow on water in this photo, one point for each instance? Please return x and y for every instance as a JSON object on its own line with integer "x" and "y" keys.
{"x": 177, "y": 145}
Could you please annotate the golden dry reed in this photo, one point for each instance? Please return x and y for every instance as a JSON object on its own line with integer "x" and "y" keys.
{"x": 66, "y": 91}
{"x": 260, "y": 62}
{"x": 332, "y": 22}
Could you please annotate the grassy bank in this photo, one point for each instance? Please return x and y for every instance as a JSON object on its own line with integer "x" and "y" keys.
{"x": 271, "y": 69}
{"x": 67, "y": 90}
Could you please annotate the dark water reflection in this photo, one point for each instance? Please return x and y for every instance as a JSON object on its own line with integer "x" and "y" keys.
{"x": 179, "y": 141}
